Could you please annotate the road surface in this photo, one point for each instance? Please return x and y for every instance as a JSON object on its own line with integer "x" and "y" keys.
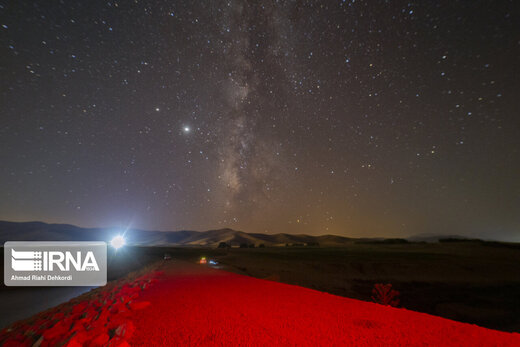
{"x": 195, "y": 305}
{"x": 184, "y": 304}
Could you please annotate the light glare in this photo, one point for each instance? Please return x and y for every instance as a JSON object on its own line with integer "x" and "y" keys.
{"x": 118, "y": 242}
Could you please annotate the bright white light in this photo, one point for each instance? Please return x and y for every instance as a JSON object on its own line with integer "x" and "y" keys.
{"x": 118, "y": 242}
{"x": 186, "y": 129}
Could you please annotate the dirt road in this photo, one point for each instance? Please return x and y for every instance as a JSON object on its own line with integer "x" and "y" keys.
{"x": 196, "y": 305}
{"x": 184, "y": 304}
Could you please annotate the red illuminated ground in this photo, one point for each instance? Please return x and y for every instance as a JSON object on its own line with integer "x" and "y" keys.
{"x": 195, "y": 305}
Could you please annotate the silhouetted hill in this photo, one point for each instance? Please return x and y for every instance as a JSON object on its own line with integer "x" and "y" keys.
{"x": 433, "y": 237}
{"x": 38, "y": 231}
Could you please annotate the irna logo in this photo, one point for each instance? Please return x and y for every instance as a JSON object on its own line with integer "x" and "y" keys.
{"x": 55, "y": 263}
{"x": 53, "y": 260}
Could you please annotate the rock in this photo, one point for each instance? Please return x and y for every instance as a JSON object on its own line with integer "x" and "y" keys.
{"x": 59, "y": 329}
{"x": 118, "y": 342}
{"x": 118, "y": 308}
{"x": 13, "y": 343}
{"x": 139, "y": 305}
{"x": 58, "y": 316}
{"x": 38, "y": 342}
{"x": 81, "y": 337}
{"x": 73, "y": 342}
{"x": 125, "y": 330}
{"x": 99, "y": 340}
{"x": 78, "y": 308}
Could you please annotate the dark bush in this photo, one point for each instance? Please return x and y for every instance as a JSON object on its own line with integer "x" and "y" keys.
{"x": 384, "y": 294}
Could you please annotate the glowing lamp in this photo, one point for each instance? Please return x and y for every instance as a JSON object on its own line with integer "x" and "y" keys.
{"x": 118, "y": 242}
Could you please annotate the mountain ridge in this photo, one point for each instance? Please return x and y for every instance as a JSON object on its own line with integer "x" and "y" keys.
{"x": 41, "y": 231}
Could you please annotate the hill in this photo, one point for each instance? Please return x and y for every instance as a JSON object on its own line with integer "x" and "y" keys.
{"x": 39, "y": 231}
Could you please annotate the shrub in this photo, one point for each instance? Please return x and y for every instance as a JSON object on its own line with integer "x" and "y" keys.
{"x": 384, "y": 294}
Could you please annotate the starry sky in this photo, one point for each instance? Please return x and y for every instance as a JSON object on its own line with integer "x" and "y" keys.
{"x": 356, "y": 118}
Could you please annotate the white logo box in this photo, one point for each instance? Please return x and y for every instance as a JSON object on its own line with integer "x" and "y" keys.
{"x": 55, "y": 263}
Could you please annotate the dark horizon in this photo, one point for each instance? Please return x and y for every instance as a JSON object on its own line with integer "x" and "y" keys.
{"x": 413, "y": 237}
{"x": 353, "y": 118}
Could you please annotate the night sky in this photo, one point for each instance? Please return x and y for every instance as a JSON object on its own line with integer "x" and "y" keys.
{"x": 357, "y": 118}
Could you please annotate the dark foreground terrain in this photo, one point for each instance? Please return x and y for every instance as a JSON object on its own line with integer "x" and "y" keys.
{"x": 468, "y": 281}
{"x": 182, "y": 303}
{"x": 473, "y": 282}
{"x": 21, "y": 302}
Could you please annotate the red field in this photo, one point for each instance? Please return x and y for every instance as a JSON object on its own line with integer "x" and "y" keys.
{"x": 198, "y": 306}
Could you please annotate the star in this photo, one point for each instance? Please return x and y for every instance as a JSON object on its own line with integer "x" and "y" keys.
{"x": 275, "y": 107}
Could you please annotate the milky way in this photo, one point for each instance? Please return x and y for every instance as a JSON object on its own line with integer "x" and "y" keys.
{"x": 358, "y": 118}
